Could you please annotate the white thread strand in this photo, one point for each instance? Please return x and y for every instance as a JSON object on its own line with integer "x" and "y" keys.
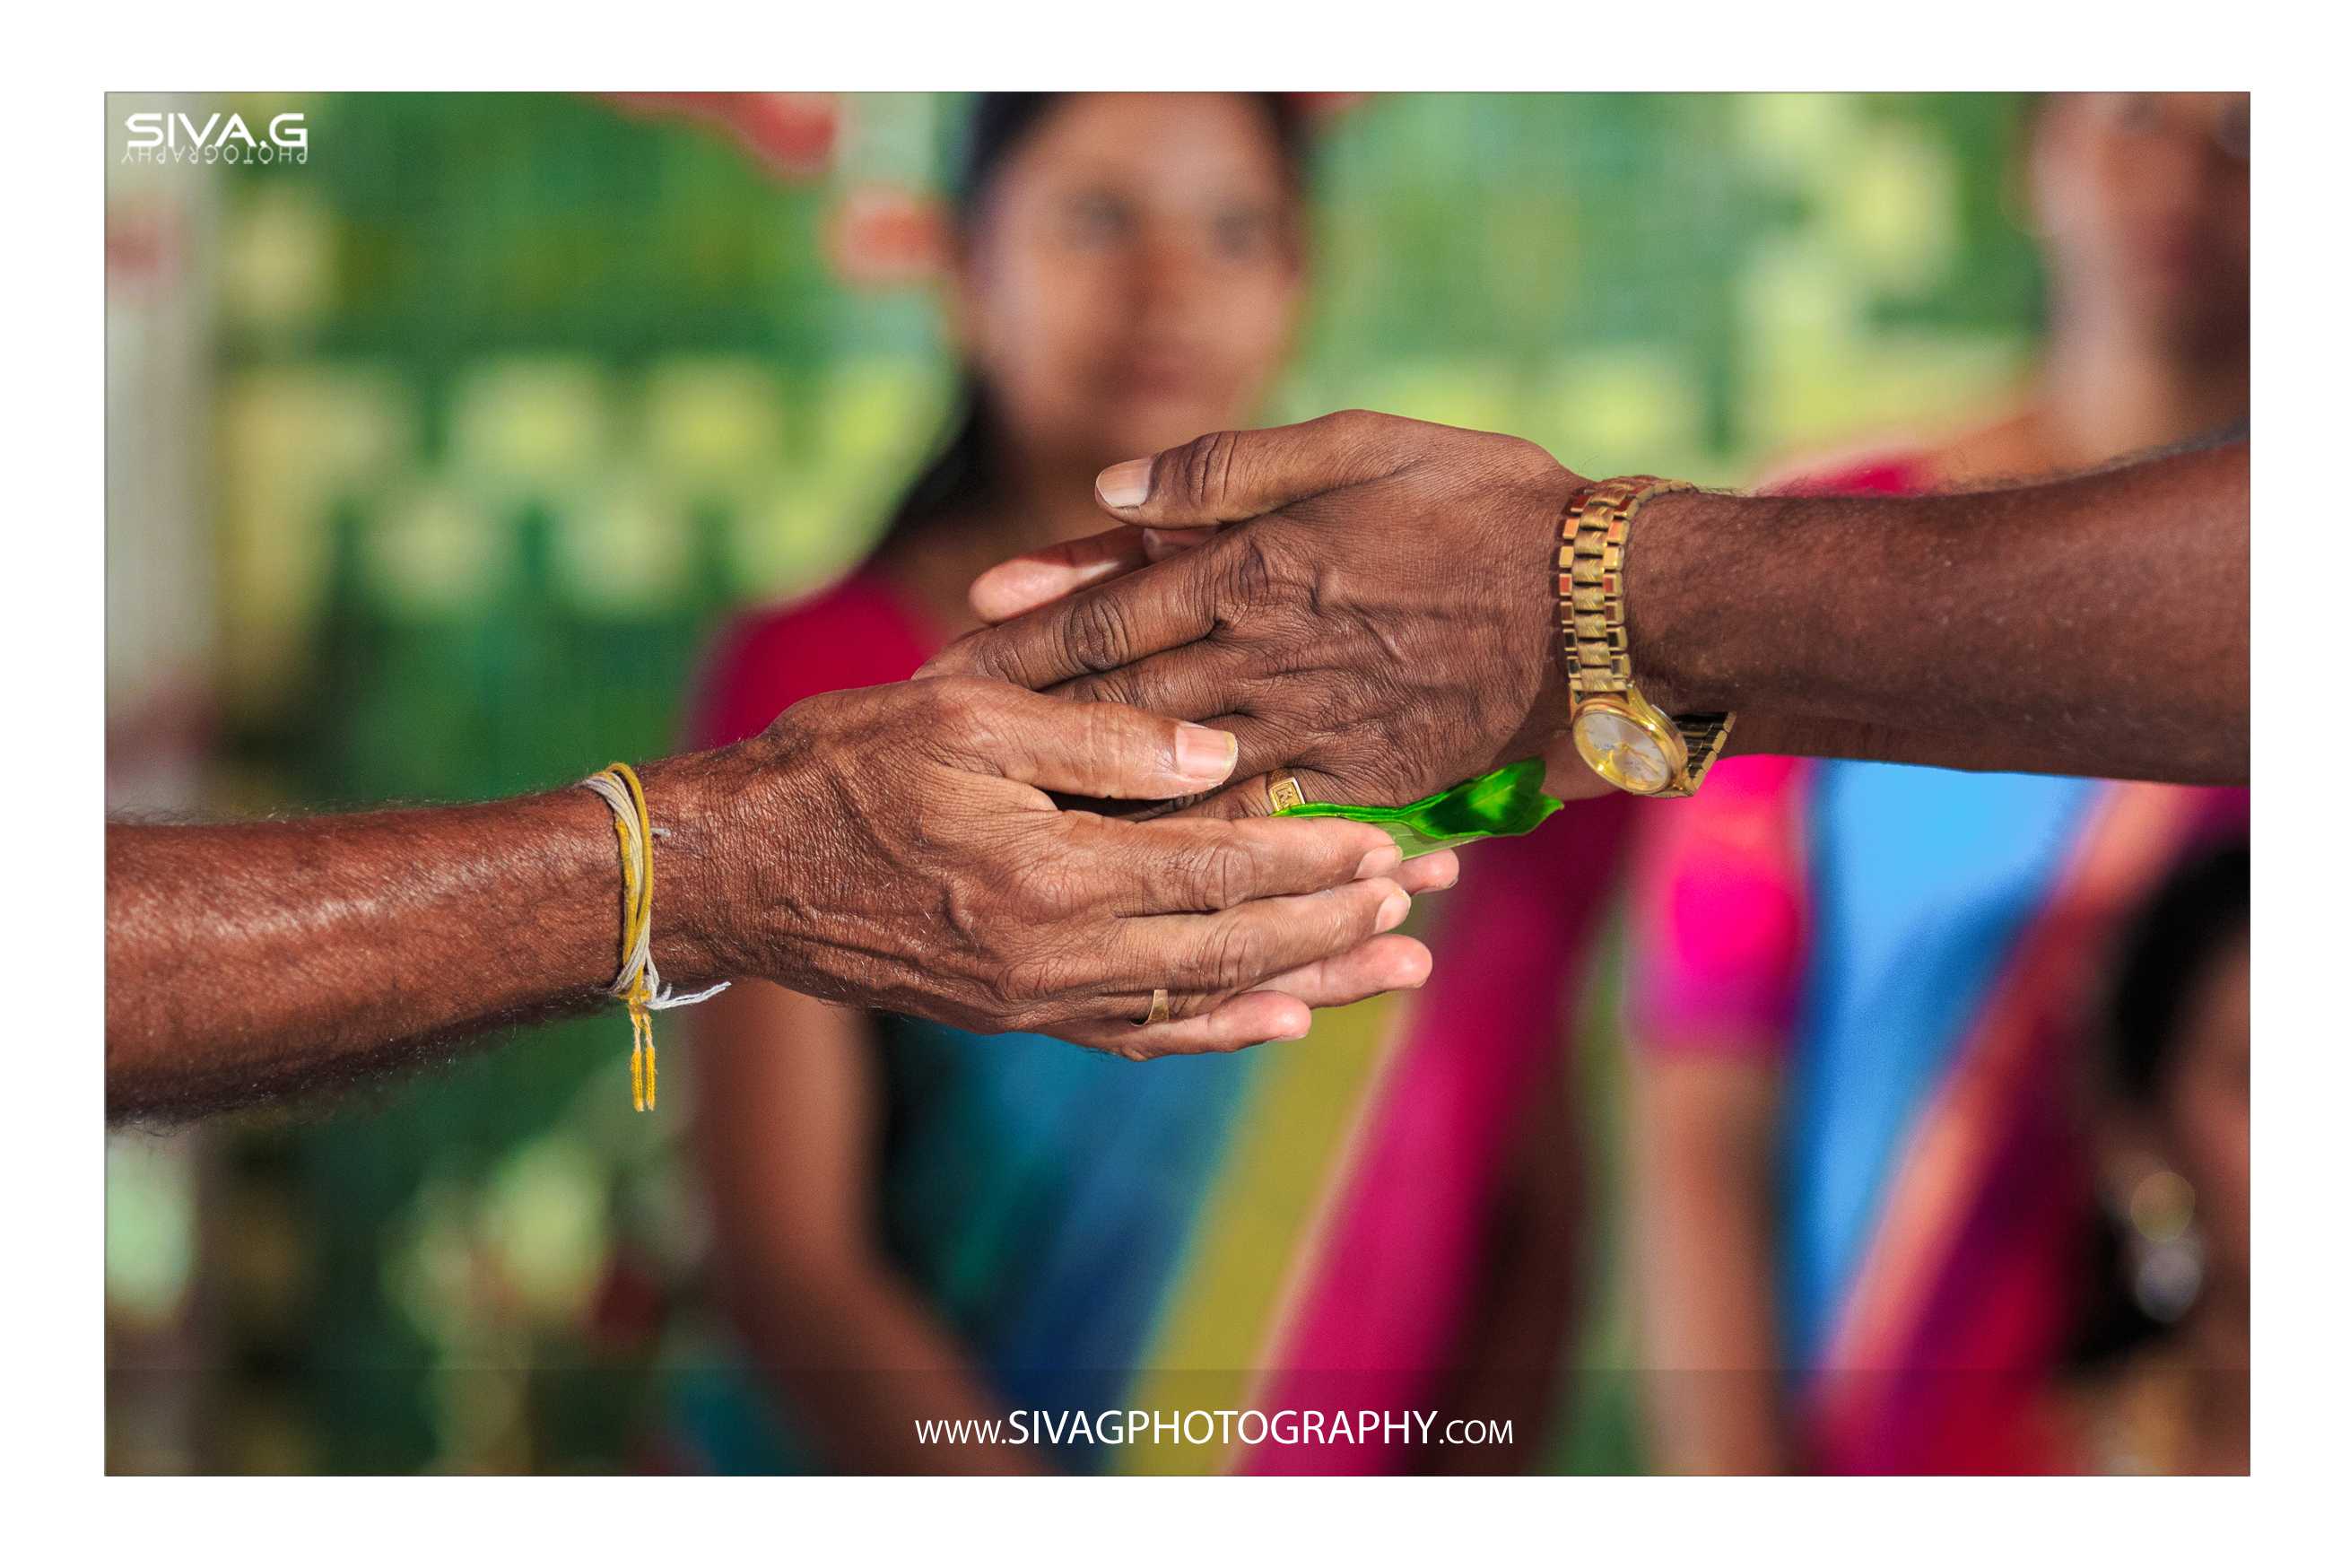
{"x": 640, "y": 957}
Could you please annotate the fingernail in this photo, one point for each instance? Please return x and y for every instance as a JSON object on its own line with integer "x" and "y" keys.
{"x": 1203, "y": 755}
{"x": 1392, "y": 912}
{"x": 1125, "y": 484}
{"x": 1379, "y": 862}
{"x": 1156, "y": 545}
{"x": 1297, "y": 1034}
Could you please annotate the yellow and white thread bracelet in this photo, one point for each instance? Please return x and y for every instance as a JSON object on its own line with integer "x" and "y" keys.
{"x": 638, "y": 983}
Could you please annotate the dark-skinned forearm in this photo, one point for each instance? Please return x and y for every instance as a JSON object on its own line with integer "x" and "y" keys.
{"x": 2098, "y": 625}
{"x": 247, "y": 960}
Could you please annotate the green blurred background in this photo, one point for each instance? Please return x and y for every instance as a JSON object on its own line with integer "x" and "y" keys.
{"x": 434, "y": 459}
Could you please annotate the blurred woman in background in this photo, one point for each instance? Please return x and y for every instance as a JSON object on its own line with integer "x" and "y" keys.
{"x": 1864, "y": 1197}
{"x": 2164, "y": 1384}
{"x": 913, "y": 1222}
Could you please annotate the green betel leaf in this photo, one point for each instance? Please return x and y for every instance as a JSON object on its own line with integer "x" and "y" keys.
{"x": 1502, "y": 803}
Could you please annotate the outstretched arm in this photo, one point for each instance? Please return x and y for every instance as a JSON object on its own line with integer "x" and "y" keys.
{"x": 1381, "y": 621}
{"x": 892, "y": 846}
{"x": 251, "y": 958}
{"x": 2098, "y": 625}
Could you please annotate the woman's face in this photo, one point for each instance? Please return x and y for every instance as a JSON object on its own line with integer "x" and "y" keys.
{"x": 2144, "y": 201}
{"x": 1133, "y": 276}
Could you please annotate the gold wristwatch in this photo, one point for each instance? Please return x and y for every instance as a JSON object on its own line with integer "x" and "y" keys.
{"x": 1622, "y": 736}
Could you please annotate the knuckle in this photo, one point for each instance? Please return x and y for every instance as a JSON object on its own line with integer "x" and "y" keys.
{"x": 949, "y": 708}
{"x": 1106, "y": 734}
{"x": 1328, "y": 857}
{"x": 1203, "y": 467}
{"x": 1363, "y": 436}
{"x": 1248, "y": 571}
{"x": 1115, "y": 687}
{"x": 1097, "y": 633}
{"x": 990, "y": 654}
{"x": 1041, "y": 888}
{"x": 1235, "y": 957}
{"x": 938, "y": 694}
{"x": 1207, "y": 1001}
{"x": 1285, "y": 725}
{"x": 1218, "y": 877}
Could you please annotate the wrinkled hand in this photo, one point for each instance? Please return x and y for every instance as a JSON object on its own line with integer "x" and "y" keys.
{"x": 906, "y": 857}
{"x": 1380, "y": 621}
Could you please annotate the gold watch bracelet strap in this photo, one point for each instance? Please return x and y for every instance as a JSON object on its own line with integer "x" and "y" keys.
{"x": 1594, "y": 648}
{"x": 1705, "y": 734}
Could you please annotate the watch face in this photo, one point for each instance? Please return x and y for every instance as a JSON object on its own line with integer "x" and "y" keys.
{"x": 1622, "y": 751}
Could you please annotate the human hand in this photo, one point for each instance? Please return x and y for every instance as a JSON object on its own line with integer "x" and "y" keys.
{"x": 893, "y": 847}
{"x": 1379, "y": 622}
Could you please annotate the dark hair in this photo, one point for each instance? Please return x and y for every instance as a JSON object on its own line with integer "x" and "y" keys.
{"x": 2166, "y": 954}
{"x": 960, "y": 472}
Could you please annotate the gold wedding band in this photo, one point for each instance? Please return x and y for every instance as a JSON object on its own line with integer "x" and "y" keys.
{"x": 1281, "y": 788}
{"x": 1158, "y": 1012}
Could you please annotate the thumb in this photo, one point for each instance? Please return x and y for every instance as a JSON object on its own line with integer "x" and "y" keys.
{"x": 1231, "y": 475}
{"x": 1101, "y": 749}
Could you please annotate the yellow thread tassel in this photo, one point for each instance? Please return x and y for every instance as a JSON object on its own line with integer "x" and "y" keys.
{"x": 640, "y": 1059}
{"x": 636, "y": 910}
